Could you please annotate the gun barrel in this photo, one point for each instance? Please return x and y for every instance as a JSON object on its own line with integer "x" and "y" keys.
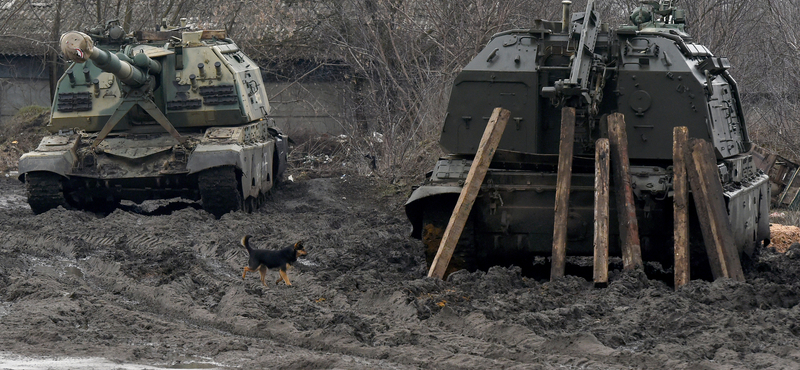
{"x": 78, "y": 47}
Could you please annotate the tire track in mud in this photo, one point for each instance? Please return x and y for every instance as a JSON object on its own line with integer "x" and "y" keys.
{"x": 101, "y": 241}
{"x": 208, "y": 294}
{"x": 169, "y": 300}
{"x": 97, "y": 268}
{"x": 145, "y": 242}
{"x": 157, "y": 287}
{"x": 174, "y": 299}
{"x": 248, "y": 310}
{"x": 40, "y": 245}
{"x": 232, "y": 317}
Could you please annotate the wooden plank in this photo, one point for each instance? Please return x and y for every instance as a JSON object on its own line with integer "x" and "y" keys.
{"x": 793, "y": 192}
{"x": 480, "y": 165}
{"x": 145, "y": 35}
{"x": 703, "y": 175}
{"x": 788, "y": 191}
{"x": 217, "y": 34}
{"x": 764, "y": 160}
{"x": 703, "y": 212}
{"x": 680, "y": 204}
{"x": 563, "y": 183}
{"x": 601, "y": 173}
{"x": 626, "y": 208}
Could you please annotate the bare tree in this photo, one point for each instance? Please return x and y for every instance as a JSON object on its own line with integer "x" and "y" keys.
{"x": 52, "y": 55}
{"x": 401, "y": 56}
{"x": 404, "y": 55}
{"x": 773, "y": 100}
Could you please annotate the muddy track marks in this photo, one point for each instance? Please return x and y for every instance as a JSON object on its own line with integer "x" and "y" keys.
{"x": 158, "y": 289}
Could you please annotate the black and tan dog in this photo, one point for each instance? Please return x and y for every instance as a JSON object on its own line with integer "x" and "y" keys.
{"x": 263, "y": 259}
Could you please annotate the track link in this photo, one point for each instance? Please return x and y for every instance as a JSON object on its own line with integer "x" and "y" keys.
{"x": 45, "y": 191}
{"x": 220, "y": 190}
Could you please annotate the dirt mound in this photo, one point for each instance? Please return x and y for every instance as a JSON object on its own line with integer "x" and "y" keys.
{"x": 166, "y": 291}
{"x": 783, "y": 236}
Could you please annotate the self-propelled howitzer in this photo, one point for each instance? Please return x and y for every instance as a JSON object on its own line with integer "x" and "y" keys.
{"x": 156, "y": 115}
{"x": 652, "y": 72}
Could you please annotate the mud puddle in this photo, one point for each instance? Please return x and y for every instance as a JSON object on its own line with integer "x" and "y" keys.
{"x": 14, "y": 362}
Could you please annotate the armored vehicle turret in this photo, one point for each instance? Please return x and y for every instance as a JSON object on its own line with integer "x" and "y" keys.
{"x": 149, "y": 115}
{"x": 652, "y": 72}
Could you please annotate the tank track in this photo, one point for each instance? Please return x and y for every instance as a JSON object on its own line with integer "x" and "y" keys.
{"x": 220, "y": 191}
{"x": 45, "y": 191}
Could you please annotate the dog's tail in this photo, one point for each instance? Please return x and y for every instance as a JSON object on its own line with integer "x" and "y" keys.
{"x": 246, "y": 243}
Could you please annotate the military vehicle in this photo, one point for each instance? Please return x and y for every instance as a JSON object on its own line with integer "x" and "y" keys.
{"x": 156, "y": 115}
{"x": 651, "y": 71}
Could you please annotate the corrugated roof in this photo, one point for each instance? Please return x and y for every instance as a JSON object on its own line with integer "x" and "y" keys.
{"x": 25, "y": 25}
{"x": 268, "y": 31}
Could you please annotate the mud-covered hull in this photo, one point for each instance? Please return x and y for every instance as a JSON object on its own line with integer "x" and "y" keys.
{"x": 139, "y": 167}
{"x": 651, "y": 74}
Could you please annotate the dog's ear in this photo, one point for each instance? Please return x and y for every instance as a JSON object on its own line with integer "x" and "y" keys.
{"x": 246, "y": 240}
{"x": 298, "y": 246}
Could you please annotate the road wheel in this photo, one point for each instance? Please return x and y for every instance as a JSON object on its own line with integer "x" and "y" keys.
{"x": 45, "y": 191}
{"x": 434, "y": 223}
{"x": 220, "y": 191}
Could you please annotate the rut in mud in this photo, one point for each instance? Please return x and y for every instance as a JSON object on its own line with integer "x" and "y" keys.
{"x": 160, "y": 285}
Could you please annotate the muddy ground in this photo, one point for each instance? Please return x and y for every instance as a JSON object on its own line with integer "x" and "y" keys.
{"x": 142, "y": 288}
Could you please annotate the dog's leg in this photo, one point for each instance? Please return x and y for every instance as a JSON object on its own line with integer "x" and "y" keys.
{"x": 246, "y": 270}
{"x": 284, "y": 277}
{"x": 263, "y": 271}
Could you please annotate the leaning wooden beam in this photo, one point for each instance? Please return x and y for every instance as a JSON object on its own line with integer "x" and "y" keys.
{"x": 601, "y": 166}
{"x": 480, "y": 165}
{"x": 709, "y": 201}
{"x": 680, "y": 204}
{"x": 626, "y": 208}
{"x": 563, "y": 183}
{"x": 718, "y": 268}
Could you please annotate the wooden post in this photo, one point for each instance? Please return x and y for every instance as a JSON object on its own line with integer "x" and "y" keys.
{"x": 709, "y": 200}
{"x": 680, "y": 204}
{"x": 626, "y": 208}
{"x": 483, "y": 157}
{"x": 563, "y": 183}
{"x": 601, "y": 166}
